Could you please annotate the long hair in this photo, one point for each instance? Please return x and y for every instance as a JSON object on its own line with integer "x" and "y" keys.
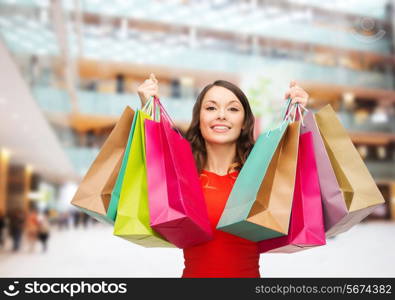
{"x": 244, "y": 143}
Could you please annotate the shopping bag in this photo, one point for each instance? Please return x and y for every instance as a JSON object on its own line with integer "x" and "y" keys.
{"x": 306, "y": 228}
{"x": 94, "y": 193}
{"x": 132, "y": 217}
{"x": 177, "y": 207}
{"x": 334, "y": 206}
{"x": 259, "y": 205}
{"x": 360, "y": 192}
{"x": 113, "y": 205}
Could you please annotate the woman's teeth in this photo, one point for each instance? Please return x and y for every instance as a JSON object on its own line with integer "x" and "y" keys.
{"x": 220, "y": 128}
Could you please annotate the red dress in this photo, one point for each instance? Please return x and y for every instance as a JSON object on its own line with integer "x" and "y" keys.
{"x": 226, "y": 255}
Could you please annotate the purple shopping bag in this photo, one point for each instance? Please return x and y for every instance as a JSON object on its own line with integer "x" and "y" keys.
{"x": 333, "y": 203}
{"x": 176, "y": 202}
{"x": 306, "y": 227}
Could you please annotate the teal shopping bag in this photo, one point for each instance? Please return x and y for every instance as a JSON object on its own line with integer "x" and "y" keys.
{"x": 260, "y": 203}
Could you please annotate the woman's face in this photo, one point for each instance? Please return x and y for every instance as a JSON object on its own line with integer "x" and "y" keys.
{"x": 221, "y": 116}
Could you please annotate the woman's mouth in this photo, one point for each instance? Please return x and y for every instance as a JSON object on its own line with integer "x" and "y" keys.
{"x": 220, "y": 128}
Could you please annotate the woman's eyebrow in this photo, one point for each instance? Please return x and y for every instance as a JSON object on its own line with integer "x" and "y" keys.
{"x": 211, "y": 101}
{"x": 237, "y": 102}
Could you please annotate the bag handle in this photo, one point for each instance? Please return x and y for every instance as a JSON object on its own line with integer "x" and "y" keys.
{"x": 286, "y": 108}
{"x": 300, "y": 113}
{"x": 286, "y": 113}
{"x": 163, "y": 113}
{"x": 147, "y": 108}
{"x": 151, "y": 109}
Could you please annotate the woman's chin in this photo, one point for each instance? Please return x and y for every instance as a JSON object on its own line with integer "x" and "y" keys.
{"x": 220, "y": 140}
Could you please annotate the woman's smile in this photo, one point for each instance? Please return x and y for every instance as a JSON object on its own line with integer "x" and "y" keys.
{"x": 220, "y": 128}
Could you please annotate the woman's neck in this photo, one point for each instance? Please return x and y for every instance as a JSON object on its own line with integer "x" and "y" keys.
{"x": 220, "y": 157}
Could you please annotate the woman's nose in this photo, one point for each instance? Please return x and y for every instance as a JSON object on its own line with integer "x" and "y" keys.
{"x": 221, "y": 114}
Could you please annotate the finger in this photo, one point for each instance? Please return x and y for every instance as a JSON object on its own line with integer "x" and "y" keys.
{"x": 295, "y": 91}
{"x": 151, "y": 86}
{"x": 153, "y": 78}
{"x": 299, "y": 100}
{"x": 298, "y": 93}
{"x": 151, "y": 92}
{"x": 297, "y": 88}
{"x": 292, "y": 83}
{"x": 295, "y": 100}
{"x": 301, "y": 91}
{"x": 292, "y": 92}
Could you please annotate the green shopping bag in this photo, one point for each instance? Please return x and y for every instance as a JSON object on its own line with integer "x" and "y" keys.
{"x": 259, "y": 205}
{"x": 116, "y": 192}
{"x": 132, "y": 220}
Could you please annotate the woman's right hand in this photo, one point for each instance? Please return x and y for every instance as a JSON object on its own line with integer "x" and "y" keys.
{"x": 147, "y": 89}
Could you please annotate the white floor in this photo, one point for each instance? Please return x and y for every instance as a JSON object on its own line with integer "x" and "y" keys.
{"x": 367, "y": 250}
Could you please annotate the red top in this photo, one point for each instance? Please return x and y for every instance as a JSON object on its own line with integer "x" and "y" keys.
{"x": 226, "y": 255}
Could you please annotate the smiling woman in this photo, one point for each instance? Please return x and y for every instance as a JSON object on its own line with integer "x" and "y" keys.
{"x": 221, "y": 137}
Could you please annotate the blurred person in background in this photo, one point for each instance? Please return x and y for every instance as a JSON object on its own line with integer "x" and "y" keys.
{"x": 76, "y": 217}
{"x": 43, "y": 229}
{"x": 221, "y": 138}
{"x": 31, "y": 228}
{"x": 85, "y": 220}
{"x": 16, "y": 225}
{"x": 2, "y": 226}
{"x": 63, "y": 220}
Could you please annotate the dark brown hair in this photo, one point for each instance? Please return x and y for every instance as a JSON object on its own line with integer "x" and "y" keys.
{"x": 245, "y": 141}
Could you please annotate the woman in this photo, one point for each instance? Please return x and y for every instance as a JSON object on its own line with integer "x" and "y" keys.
{"x": 31, "y": 228}
{"x": 16, "y": 225}
{"x": 221, "y": 136}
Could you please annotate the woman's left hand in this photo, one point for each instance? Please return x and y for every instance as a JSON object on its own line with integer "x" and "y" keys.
{"x": 297, "y": 94}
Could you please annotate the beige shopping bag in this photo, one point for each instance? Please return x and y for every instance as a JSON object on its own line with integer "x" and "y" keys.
{"x": 273, "y": 204}
{"x": 94, "y": 192}
{"x": 359, "y": 190}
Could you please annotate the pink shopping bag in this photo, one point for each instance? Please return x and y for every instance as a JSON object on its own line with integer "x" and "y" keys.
{"x": 176, "y": 201}
{"x": 333, "y": 203}
{"x": 306, "y": 228}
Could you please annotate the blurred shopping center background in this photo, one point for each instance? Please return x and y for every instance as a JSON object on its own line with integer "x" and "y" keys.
{"x": 68, "y": 69}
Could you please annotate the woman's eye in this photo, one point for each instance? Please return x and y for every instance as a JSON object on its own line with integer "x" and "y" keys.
{"x": 210, "y": 108}
{"x": 234, "y": 109}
